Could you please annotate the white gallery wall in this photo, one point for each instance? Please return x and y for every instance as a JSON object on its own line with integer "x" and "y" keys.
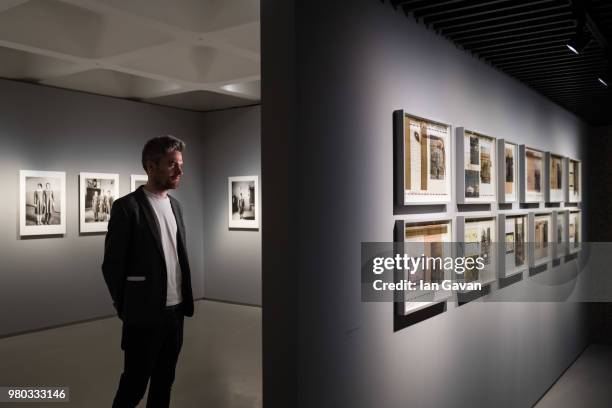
{"x": 232, "y": 258}
{"x": 47, "y": 281}
{"x": 350, "y": 71}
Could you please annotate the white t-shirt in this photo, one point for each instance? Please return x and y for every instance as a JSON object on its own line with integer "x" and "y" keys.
{"x": 167, "y": 225}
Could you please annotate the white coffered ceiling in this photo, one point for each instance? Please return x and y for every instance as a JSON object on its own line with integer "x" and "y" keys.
{"x": 191, "y": 54}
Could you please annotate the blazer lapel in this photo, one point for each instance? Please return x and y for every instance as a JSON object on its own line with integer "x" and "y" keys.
{"x": 179, "y": 220}
{"x": 150, "y": 217}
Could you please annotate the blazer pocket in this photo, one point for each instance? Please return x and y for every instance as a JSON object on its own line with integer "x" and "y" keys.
{"x": 136, "y": 278}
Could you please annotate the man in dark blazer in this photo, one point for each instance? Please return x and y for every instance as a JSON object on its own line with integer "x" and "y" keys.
{"x": 147, "y": 273}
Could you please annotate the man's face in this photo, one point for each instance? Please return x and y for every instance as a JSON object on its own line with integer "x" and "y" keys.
{"x": 167, "y": 173}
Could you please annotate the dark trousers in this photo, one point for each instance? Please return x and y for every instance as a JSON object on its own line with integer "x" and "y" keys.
{"x": 151, "y": 352}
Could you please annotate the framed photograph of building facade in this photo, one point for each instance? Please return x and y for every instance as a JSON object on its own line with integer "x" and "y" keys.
{"x": 421, "y": 160}
{"x": 432, "y": 239}
{"x": 97, "y": 193}
{"x": 560, "y": 236}
{"x": 478, "y": 237}
{"x": 574, "y": 231}
{"x": 476, "y": 167}
{"x": 42, "y": 202}
{"x": 508, "y": 171}
{"x": 243, "y": 202}
{"x": 512, "y": 249}
{"x": 574, "y": 184}
{"x": 540, "y": 237}
{"x": 532, "y": 171}
{"x": 137, "y": 180}
{"x": 555, "y": 186}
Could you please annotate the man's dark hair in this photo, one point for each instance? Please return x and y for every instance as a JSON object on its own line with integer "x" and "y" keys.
{"x": 157, "y": 147}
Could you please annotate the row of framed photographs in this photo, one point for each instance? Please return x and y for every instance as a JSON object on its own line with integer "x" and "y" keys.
{"x": 489, "y": 170}
{"x": 509, "y": 243}
{"x": 42, "y": 201}
{"x": 42, "y": 208}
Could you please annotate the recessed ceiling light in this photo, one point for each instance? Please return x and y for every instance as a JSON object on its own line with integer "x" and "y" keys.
{"x": 602, "y": 81}
{"x": 572, "y": 49}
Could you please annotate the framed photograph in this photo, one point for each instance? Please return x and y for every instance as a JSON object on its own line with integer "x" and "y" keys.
{"x": 513, "y": 233}
{"x": 560, "y": 236}
{"x": 508, "y": 171}
{"x": 540, "y": 226}
{"x": 429, "y": 238}
{"x": 574, "y": 184}
{"x": 137, "y": 180}
{"x": 421, "y": 160}
{"x": 478, "y": 236}
{"x": 555, "y": 187}
{"x": 42, "y": 202}
{"x": 532, "y": 175}
{"x": 574, "y": 231}
{"x": 97, "y": 192}
{"x": 476, "y": 167}
{"x": 243, "y": 202}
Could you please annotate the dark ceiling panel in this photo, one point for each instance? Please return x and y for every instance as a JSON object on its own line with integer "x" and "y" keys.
{"x": 528, "y": 40}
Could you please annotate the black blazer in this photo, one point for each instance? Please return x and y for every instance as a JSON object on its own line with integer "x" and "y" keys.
{"x": 134, "y": 266}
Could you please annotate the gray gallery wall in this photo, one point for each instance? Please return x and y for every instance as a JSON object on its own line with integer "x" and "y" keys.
{"x": 49, "y": 281}
{"x": 352, "y": 69}
{"x": 232, "y": 258}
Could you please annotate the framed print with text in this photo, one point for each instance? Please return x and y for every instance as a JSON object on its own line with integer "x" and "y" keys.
{"x": 555, "y": 185}
{"x": 574, "y": 185}
{"x": 476, "y": 167}
{"x": 532, "y": 175}
{"x": 513, "y": 233}
{"x": 540, "y": 226}
{"x": 422, "y": 160}
{"x": 432, "y": 239}
{"x": 508, "y": 171}
{"x": 574, "y": 228}
{"x": 478, "y": 237}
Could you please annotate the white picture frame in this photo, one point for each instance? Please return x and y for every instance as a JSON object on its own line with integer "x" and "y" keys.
{"x": 415, "y": 138}
{"x": 540, "y": 238}
{"x": 414, "y": 301}
{"x": 97, "y": 192}
{"x": 245, "y": 188}
{"x": 470, "y": 230}
{"x": 136, "y": 180}
{"x": 574, "y": 231}
{"x": 508, "y": 162}
{"x": 39, "y": 212}
{"x": 574, "y": 181}
{"x": 560, "y": 233}
{"x": 513, "y": 253}
{"x": 554, "y": 189}
{"x": 532, "y": 174}
{"x": 476, "y": 167}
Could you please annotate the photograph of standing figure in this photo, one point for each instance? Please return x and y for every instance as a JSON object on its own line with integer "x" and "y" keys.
{"x": 243, "y": 202}
{"x": 42, "y": 202}
{"x": 97, "y": 194}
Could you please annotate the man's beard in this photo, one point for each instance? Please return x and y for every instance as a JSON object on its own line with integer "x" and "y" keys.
{"x": 167, "y": 184}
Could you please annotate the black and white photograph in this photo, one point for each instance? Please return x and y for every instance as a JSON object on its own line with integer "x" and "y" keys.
{"x": 474, "y": 151}
{"x": 476, "y": 159}
{"x": 436, "y": 158}
{"x": 243, "y": 202}
{"x": 42, "y": 202}
{"x": 472, "y": 183}
{"x": 98, "y": 191}
{"x": 137, "y": 180}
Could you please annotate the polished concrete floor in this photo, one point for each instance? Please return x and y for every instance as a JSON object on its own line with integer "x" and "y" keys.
{"x": 586, "y": 384}
{"x": 219, "y": 366}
